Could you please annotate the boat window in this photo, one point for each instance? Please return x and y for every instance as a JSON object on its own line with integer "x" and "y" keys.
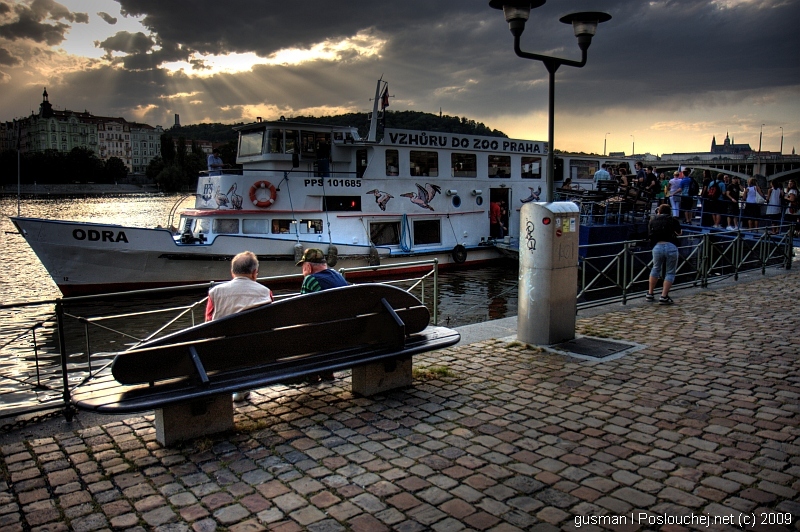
{"x": 531, "y": 167}
{"x": 200, "y": 225}
{"x": 255, "y": 226}
{"x": 425, "y": 163}
{"x": 250, "y": 143}
{"x": 392, "y": 162}
{"x": 274, "y": 141}
{"x": 292, "y": 141}
{"x": 226, "y": 226}
{"x": 309, "y": 148}
{"x": 464, "y": 164}
{"x": 311, "y": 226}
{"x": 384, "y": 233}
{"x": 341, "y": 203}
{"x": 282, "y": 227}
{"x": 500, "y": 166}
{"x": 583, "y": 168}
{"x": 427, "y": 232}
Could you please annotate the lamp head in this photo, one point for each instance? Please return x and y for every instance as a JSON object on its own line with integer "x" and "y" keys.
{"x": 516, "y": 12}
{"x": 585, "y": 25}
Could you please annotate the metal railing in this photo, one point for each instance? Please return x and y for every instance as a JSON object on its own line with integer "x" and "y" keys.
{"x": 612, "y": 272}
{"x": 81, "y": 335}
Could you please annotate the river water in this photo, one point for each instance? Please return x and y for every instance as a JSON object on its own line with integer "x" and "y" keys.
{"x": 466, "y": 296}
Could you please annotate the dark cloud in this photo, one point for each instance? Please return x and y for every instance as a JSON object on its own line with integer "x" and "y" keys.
{"x": 7, "y": 59}
{"x": 31, "y": 21}
{"x": 660, "y": 55}
{"x": 108, "y": 18}
{"x": 660, "y": 51}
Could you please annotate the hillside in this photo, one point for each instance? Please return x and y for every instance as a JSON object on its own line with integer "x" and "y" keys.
{"x": 219, "y": 133}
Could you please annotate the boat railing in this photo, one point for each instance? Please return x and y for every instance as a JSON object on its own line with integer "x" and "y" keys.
{"x": 48, "y": 347}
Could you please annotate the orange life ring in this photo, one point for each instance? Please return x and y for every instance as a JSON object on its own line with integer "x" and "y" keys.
{"x": 263, "y": 204}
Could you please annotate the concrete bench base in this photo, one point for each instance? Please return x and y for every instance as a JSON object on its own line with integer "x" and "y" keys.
{"x": 379, "y": 377}
{"x": 185, "y": 421}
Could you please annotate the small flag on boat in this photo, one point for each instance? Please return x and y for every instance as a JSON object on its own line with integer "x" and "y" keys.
{"x": 385, "y": 98}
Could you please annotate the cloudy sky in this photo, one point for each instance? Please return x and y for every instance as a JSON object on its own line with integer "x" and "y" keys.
{"x": 663, "y": 75}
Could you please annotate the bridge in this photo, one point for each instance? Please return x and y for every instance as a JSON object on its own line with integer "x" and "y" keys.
{"x": 770, "y": 167}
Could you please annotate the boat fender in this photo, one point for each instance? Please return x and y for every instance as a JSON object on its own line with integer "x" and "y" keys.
{"x": 298, "y": 252}
{"x": 459, "y": 254}
{"x": 263, "y": 203}
{"x": 333, "y": 256}
{"x": 374, "y": 258}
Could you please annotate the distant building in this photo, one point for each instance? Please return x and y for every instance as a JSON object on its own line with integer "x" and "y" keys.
{"x": 146, "y": 145}
{"x": 107, "y": 137}
{"x": 729, "y": 148}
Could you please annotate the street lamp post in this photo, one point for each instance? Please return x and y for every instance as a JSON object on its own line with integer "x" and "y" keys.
{"x": 781, "y": 140}
{"x": 760, "y": 135}
{"x": 584, "y": 24}
{"x": 548, "y": 255}
{"x": 604, "y": 143}
{"x": 633, "y": 146}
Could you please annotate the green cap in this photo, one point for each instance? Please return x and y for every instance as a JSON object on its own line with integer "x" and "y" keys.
{"x": 312, "y": 255}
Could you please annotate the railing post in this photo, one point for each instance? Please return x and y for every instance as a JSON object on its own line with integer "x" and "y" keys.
{"x": 436, "y": 291}
{"x": 737, "y": 252}
{"x": 36, "y": 355}
{"x": 62, "y": 349}
{"x": 705, "y": 258}
{"x": 88, "y": 348}
{"x": 625, "y": 257}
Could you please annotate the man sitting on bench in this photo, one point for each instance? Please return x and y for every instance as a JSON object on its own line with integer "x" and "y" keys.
{"x": 317, "y": 277}
{"x": 240, "y": 293}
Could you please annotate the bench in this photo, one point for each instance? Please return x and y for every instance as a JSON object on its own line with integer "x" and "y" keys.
{"x": 188, "y": 376}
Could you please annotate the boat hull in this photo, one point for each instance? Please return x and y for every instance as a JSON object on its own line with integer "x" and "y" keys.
{"x": 85, "y": 259}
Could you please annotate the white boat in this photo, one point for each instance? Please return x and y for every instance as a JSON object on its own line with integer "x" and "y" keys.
{"x": 409, "y": 196}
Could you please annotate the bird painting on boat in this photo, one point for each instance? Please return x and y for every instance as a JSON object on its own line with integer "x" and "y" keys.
{"x": 221, "y": 199}
{"x": 236, "y": 199}
{"x": 381, "y": 197}
{"x": 424, "y": 195}
{"x": 534, "y": 195}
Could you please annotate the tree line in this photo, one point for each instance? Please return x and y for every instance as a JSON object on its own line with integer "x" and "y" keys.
{"x": 80, "y": 165}
{"x": 181, "y": 160}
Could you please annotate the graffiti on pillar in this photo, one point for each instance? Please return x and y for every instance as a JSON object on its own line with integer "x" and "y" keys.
{"x": 566, "y": 251}
{"x": 529, "y": 236}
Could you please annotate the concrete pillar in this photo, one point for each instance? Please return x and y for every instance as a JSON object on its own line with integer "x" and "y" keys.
{"x": 548, "y": 272}
{"x": 382, "y": 376}
{"x": 185, "y": 421}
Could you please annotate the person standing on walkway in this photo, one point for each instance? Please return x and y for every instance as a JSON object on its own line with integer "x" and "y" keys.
{"x": 732, "y": 193}
{"x": 240, "y": 293}
{"x": 774, "y": 203}
{"x": 688, "y": 200}
{"x": 664, "y": 232}
{"x": 752, "y": 207}
{"x": 674, "y": 193}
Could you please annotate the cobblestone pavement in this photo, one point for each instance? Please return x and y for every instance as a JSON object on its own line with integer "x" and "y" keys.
{"x": 701, "y": 424}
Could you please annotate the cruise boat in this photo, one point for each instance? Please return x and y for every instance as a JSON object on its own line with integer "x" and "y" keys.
{"x": 408, "y": 196}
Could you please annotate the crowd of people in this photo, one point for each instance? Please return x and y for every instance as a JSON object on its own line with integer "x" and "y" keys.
{"x": 722, "y": 201}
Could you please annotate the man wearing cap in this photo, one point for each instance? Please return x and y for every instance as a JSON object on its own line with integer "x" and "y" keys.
{"x": 317, "y": 276}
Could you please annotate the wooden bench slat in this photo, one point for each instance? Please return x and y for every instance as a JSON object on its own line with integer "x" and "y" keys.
{"x": 152, "y": 364}
{"x": 108, "y": 396}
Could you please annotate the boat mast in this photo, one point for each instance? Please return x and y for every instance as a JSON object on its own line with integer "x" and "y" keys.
{"x": 373, "y": 122}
